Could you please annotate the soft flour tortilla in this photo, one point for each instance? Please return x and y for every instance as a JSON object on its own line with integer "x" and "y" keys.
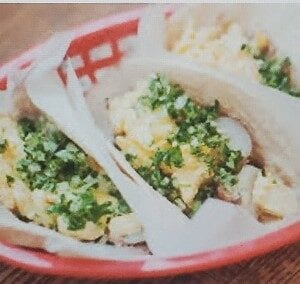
{"x": 280, "y": 22}
{"x": 66, "y": 107}
{"x": 270, "y": 117}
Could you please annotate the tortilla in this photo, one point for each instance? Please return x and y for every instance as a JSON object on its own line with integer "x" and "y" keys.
{"x": 244, "y": 101}
{"x": 248, "y": 103}
{"x": 62, "y": 105}
{"x": 266, "y": 19}
{"x": 43, "y": 71}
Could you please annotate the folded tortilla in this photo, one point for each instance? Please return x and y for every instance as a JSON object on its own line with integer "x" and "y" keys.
{"x": 276, "y": 24}
{"x": 29, "y": 102}
{"x": 66, "y": 108}
{"x": 268, "y": 115}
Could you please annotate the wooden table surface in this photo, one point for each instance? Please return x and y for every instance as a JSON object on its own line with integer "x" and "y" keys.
{"x": 22, "y": 26}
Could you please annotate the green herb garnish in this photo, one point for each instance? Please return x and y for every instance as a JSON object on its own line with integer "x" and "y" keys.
{"x": 157, "y": 179}
{"x": 81, "y": 209}
{"x": 3, "y": 145}
{"x": 10, "y": 180}
{"x": 195, "y": 127}
{"x": 54, "y": 163}
{"x": 171, "y": 157}
{"x": 130, "y": 157}
{"x": 274, "y": 71}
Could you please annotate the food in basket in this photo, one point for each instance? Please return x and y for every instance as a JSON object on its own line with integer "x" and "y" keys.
{"x": 189, "y": 136}
{"x": 49, "y": 177}
{"x": 247, "y": 41}
{"x": 46, "y": 178}
{"x": 226, "y": 47}
{"x": 190, "y": 152}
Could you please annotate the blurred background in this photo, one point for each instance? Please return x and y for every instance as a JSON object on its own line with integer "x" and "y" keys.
{"x": 24, "y": 25}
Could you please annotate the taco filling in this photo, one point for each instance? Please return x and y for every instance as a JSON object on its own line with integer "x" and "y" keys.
{"x": 47, "y": 179}
{"x": 189, "y": 152}
{"x": 227, "y": 47}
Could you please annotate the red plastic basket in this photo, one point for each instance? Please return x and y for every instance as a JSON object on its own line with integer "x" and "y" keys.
{"x": 98, "y": 45}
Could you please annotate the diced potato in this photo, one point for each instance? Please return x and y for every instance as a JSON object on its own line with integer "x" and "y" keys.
{"x": 272, "y": 197}
{"x": 136, "y": 122}
{"x": 118, "y": 117}
{"x": 132, "y": 147}
{"x": 241, "y": 193}
{"x": 90, "y": 232}
{"x": 8, "y": 129}
{"x": 190, "y": 176}
{"x": 6, "y": 196}
{"x": 125, "y": 228}
{"x": 40, "y": 203}
{"x": 22, "y": 197}
{"x": 244, "y": 187}
{"x": 161, "y": 125}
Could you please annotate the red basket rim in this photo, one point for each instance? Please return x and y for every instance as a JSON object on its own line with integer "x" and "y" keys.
{"x": 79, "y": 30}
{"x": 42, "y": 262}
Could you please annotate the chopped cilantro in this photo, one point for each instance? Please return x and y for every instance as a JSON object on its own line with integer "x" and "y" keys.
{"x": 244, "y": 46}
{"x": 162, "y": 93}
{"x": 54, "y": 163}
{"x": 3, "y": 145}
{"x": 10, "y": 180}
{"x": 204, "y": 193}
{"x": 171, "y": 157}
{"x": 50, "y": 156}
{"x": 195, "y": 127}
{"x": 81, "y": 209}
{"x": 226, "y": 178}
{"x": 274, "y": 71}
{"x": 157, "y": 179}
{"x": 130, "y": 157}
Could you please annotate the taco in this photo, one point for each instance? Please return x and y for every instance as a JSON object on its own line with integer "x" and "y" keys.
{"x": 53, "y": 193}
{"x": 191, "y": 135}
{"x": 49, "y": 180}
{"x": 60, "y": 180}
{"x": 246, "y": 41}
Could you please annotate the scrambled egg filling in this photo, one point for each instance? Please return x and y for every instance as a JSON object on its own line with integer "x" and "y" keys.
{"x": 47, "y": 179}
{"x": 172, "y": 143}
{"x": 227, "y": 47}
{"x": 175, "y": 146}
